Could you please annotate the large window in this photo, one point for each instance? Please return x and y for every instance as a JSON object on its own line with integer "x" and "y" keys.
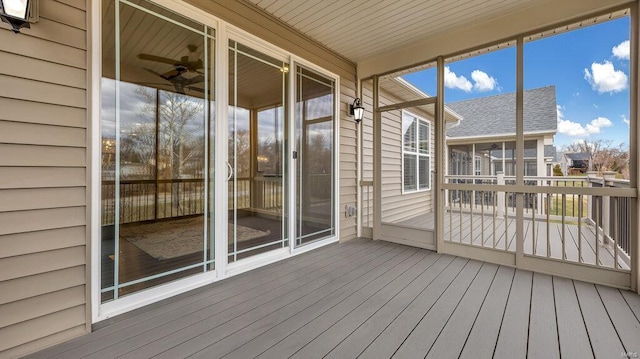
{"x": 416, "y": 154}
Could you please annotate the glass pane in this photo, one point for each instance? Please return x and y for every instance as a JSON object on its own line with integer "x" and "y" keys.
{"x": 156, "y": 91}
{"x": 410, "y": 172}
{"x": 409, "y": 132}
{"x": 256, "y": 188}
{"x": 423, "y": 137}
{"x": 315, "y": 147}
{"x": 423, "y": 172}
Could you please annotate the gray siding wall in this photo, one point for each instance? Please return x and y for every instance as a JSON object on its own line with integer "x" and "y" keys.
{"x": 43, "y": 158}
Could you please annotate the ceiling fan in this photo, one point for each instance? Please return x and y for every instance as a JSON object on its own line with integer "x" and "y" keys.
{"x": 180, "y": 67}
{"x": 179, "y": 82}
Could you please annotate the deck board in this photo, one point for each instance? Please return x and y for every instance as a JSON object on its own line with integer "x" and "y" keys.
{"x": 623, "y": 319}
{"x": 572, "y": 333}
{"x": 513, "y": 337}
{"x": 323, "y": 333}
{"x": 604, "y": 338}
{"x": 429, "y": 328}
{"x": 352, "y": 345}
{"x": 373, "y": 299}
{"x": 543, "y": 331}
{"x": 482, "y": 338}
{"x": 449, "y": 342}
{"x": 339, "y": 303}
{"x": 178, "y": 336}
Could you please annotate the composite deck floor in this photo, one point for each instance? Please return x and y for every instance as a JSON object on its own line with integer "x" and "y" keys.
{"x": 374, "y": 299}
{"x": 540, "y": 238}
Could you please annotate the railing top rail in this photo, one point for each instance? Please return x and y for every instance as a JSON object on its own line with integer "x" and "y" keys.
{"x": 593, "y": 191}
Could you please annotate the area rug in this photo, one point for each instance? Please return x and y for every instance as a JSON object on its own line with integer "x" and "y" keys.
{"x": 176, "y": 238}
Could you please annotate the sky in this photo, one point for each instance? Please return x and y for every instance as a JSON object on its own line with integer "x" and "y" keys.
{"x": 588, "y": 66}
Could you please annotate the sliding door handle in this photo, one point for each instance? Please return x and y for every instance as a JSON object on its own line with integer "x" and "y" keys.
{"x": 230, "y": 171}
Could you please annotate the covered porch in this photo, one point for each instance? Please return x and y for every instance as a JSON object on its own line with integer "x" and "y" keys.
{"x": 374, "y": 299}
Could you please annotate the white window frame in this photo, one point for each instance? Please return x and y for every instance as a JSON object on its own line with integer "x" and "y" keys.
{"x": 417, "y": 153}
{"x": 477, "y": 165}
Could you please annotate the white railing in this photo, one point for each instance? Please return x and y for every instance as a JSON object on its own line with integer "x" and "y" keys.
{"x": 579, "y": 219}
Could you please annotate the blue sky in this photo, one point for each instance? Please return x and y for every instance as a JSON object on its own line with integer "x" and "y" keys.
{"x": 588, "y": 66}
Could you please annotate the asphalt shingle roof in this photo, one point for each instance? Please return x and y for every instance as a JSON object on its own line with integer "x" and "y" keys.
{"x": 577, "y": 156}
{"x": 496, "y": 115}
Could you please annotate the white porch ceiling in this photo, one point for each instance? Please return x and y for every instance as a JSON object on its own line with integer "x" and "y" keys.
{"x": 360, "y": 29}
{"x": 364, "y": 30}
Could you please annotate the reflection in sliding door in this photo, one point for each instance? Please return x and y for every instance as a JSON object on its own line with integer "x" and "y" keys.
{"x": 315, "y": 121}
{"x": 156, "y": 94}
{"x": 257, "y": 214}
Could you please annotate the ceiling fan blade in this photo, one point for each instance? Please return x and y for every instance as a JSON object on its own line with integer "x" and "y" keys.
{"x": 196, "y": 89}
{"x": 195, "y": 80}
{"x": 160, "y": 59}
{"x": 153, "y": 72}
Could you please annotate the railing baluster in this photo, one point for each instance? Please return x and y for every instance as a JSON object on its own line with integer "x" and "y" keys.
{"x": 533, "y": 232}
{"x": 563, "y": 238}
{"x": 598, "y": 221}
{"x": 580, "y": 229}
{"x": 549, "y": 227}
{"x": 615, "y": 232}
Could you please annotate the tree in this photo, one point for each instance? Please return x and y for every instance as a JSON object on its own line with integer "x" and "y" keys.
{"x": 557, "y": 170}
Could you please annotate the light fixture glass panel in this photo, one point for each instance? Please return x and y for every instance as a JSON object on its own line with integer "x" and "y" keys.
{"x": 16, "y": 8}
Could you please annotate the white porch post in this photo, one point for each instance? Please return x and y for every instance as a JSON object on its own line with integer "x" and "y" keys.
{"x": 519, "y": 151}
{"x": 634, "y": 132}
{"x": 377, "y": 162}
{"x": 440, "y": 161}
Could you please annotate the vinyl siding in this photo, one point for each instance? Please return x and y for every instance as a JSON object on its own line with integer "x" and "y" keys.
{"x": 43, "y": 171}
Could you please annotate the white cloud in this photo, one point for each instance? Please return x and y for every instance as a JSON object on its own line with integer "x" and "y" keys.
{"x": 453, "y": 81}
{"x": 576, "y": 129}
{"x": 595, "y": 125}
{"x": 621, "y": 50}
{"x": 603, "y": 77}
{"x": 482, "y": 81}
{"x": 625, "y": 119}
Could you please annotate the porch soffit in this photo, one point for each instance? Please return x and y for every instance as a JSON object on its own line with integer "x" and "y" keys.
{"x": 386, "y": 35}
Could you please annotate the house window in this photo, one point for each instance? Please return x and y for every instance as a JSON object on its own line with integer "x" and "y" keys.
{"x": 416, "y": 153}
{"x": 478, "y": 166}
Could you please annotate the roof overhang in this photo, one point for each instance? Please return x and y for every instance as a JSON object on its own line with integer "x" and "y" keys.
{"x": 383, "y": 37}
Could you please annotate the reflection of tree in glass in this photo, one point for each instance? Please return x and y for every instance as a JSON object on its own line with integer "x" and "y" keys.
{"x": 242, "y": 146}
{"x": 270, "y": 156}
{"x": 176, "y": 122}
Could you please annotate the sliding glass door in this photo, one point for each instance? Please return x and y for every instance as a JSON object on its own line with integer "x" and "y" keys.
{"x": 157, "y": 99}
{"x": 273, "y": 147}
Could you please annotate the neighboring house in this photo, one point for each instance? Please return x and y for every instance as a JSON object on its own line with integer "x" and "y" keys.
{"x": 483, "y": 143}
{"x": 576, "y": 162}
{"x": 560, "y": 160}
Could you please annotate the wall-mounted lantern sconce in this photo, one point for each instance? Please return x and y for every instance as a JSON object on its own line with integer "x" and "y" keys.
{"x": 15, "y": 13}
{"x": 356, "y": 110}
